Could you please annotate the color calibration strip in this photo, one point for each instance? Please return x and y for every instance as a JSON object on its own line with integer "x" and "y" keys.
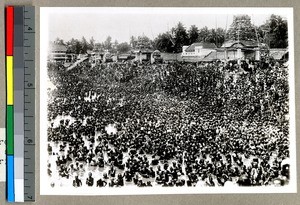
{"x": 10, "y": 190}
{"x": 20, "y": 110}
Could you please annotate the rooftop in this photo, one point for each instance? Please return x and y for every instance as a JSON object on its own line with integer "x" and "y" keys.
{"x": 58, "y": 47}
{"x": 204, "y": 45}
{"x": 245, "y": 43}
{"x": 214, "y": 55}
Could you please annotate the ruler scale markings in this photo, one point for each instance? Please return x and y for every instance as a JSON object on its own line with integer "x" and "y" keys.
{"x": 29, "y": 104}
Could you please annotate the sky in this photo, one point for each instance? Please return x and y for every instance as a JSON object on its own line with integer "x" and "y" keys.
{"x": 121, "y": 23}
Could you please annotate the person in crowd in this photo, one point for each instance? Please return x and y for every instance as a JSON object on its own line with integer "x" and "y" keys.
{"x": 90, "y": 180}
{"x": 77, "y": 182}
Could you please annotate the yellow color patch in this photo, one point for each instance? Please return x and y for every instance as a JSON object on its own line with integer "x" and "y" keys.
{"x": 9, "y": 80}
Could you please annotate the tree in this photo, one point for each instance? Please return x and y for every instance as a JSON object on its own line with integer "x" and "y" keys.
{"x": 92, "y": 43}
{"x": 84, "y": 45}
{"x": 59, "y": 41}
{"x": 123, "y": 47}
{"x": 107, "y": 43}
{"x": 193, "y": 34}
{"x": 71, "y": 46}
{"x": 181, "y": 37}
{"x": 275, "y": 32}
{"x": 133, "y": 42}
{"x": 211, "y": 37}
{"x": 241, "y": 28}
{"x": 263, "y": 32}
{"x": 78, "y": 47}
{"x": 116, "y": 43}
{"x": 216, "y": 36}
{"x": 74, "y": 46}
{"x": 143, "y": 42}
{"x": 221, "y": 35}
{"x": 203, "y": 33}
{"x": 164, "y": 42}
{"x": 99, "y": 47}
{"x": 114, "y": 46}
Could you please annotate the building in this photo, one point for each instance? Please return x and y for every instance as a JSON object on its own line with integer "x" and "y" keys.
{"x": 125, "y": 57}
{"x": 242, "y": 49}
{"x": 57, "y": 53}
{"x": 197, "y": 51}
{"x": 143, "y": 54}
{"x": 232, "y": 50}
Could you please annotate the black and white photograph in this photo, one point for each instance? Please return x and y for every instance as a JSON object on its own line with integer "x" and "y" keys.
{"x": 153, "y": 100}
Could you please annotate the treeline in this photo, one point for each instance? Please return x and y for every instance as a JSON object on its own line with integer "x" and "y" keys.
{"x": 82, "y": 45}
{"x": 274, "y": 33}
{"x": 172, "y": 41}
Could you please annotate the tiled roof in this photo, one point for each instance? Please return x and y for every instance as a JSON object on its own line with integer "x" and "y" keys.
{"x": 191, "y": 48}
{"x": 245, "y": 43}
{"x": 214, "y": 55}
{"x": 58, "y": 47}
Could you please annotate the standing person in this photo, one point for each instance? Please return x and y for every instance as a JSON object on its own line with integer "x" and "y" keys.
{"x": 77, "y": 182}
{"x": 90, "y": 180}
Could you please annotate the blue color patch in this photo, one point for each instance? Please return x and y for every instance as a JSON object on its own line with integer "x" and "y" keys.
{"x": 10, "y": 179}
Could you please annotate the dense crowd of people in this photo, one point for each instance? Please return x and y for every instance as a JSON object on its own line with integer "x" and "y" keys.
{"x": 175, "y": 124}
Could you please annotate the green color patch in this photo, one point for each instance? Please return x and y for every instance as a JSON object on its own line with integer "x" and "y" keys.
{"x": 10, "y": 129}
